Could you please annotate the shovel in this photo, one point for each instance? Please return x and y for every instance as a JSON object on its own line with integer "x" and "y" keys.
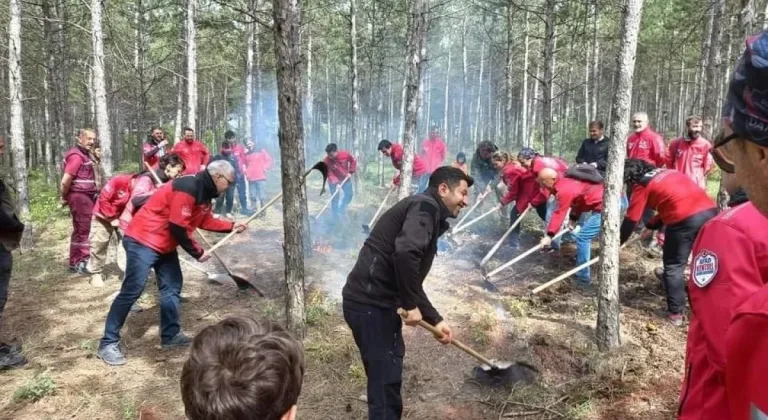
{"x": 330, "y": 200}
{"x": 216, "y": 277}
{"x": 503, "y": 238}
{"x": 492, "y": 372}
{"x": 573, "y": 271}
{"x": 320, "y": 166}
{"x": 367, "y": 228}
{"x": 480, "y": 201}
{"x": 475, "y": 220}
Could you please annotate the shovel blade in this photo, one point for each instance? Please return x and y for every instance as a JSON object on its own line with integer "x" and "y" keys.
{"x": 487, "y": 285}
{"x": 244, "y": 285}
{"x": 505, "y": 373}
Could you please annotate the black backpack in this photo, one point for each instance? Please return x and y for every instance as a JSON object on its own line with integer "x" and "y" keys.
{"x": 584, "y": 172}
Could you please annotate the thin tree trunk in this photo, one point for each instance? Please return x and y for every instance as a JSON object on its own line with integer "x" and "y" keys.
{"x": 549, "y": 76}
{"x": 417, "y": 34}
{"x": 534, "y": 101}
{"x": 309, "y": 99}
{"x": 608, "y": 306}
{"x": 191, "y": 44}
{"x": 462, "y": 105}
{"x": 249, "y": 81}
{"x": 53, "y": 127}
{"x": 595, "y": 58}
{"x": 475, "y": 138}
{"x": 713, "y": 69}
{"x": 18, "y": 145}
{"x": 179, "y": 85}
{"x": 706, "y": 42}
{"x": 61, "y": 77}
{"x": 100, "y": 90}
{"x": 45, "y": 140}
{"x": 679, "y": 122}
{"x": 328, "y": 100}
{"x": 747, "y": 17}
{"x": 355, "y": 87}
{"x": 258, "y": 95}
{"x": 446, "y": 126}
{"x": 524, "y": 117}
{"x": 509, "y": 110}
{"x": 286, "y": 14}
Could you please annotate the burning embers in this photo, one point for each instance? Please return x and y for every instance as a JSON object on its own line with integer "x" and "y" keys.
{"x": 322, "y": 248}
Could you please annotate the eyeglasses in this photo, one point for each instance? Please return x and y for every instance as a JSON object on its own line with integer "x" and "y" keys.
{"x": 229, "y": 181}
{"x": 721, "y": 155}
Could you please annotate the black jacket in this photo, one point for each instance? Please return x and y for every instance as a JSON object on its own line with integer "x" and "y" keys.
{"x": 594, "y": 152}
{"x": 397, "y": 256}
{"x": 231, "y": 159}
{"x": 482, "y": 170}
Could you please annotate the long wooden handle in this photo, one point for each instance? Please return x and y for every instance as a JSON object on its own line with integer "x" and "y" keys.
{"x": 195, "y": 266}
{"x": 463, "y": 347}
{"x": 525, "y": 254}
{"x": 471, "y": 209}
{"x": 152, "y": 173}
{"x": 212, "y": 252}
{"x": 247, "y": 221}
{"x": 504, "y": 237}
{"x": 381, "y": 206}
{"x": 335, "y": 193}
{"x": 475, "y": 220}
{"x": 572, "y": 271}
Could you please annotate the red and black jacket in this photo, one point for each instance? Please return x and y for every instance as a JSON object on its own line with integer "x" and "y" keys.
{"x": 174, "y": 211}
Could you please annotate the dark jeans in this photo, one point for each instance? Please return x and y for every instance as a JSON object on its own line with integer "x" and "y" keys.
{"x": 139, "y": 260}
{"x": 339, "y": 204}
{"x": 6, "y": 265}
{"x": 241, "y": 187}
{"x": 257, "y": 193}
{"x": 677, "y": 247}
{"x": 514, "y": 237}
{"x": 229, "y": 195}
{"x": 378, "y": 335}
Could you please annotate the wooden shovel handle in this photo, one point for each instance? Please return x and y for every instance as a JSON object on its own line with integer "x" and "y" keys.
{"x": 463, "y": 347}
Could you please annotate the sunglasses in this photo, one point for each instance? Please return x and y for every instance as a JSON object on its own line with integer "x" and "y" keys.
{"x": 720, "y": 154}
{"x": 229, "y": 181}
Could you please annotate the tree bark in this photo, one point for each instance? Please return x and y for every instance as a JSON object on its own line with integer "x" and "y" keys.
{"x": 191, "y": 44}
{"x": 417, "y": 34}
{"x": 608, "y": 307}
{"x": 534, "y": 106}
{"x": 355, "y": 87}
{"x": 709, "y": 110}
{"x": 524, "y": 112}
{"x": 100, "y": 90}
{"x": 249, "y": 81}
{"x": 50, "y": 173}
{"x": 747, "y": 17}
{"x": 463, "y": 103}
{"x": 706, "y": 42}
{"x": 328, "y": 99}
{"x": 258, "y": 95}
{"x": 446, "y": 127}
{"x": 286, "y": 14}
{"x": 509, "y": 111}
{"x": 16, "y": 94}
{"x": 595, "y": 58}
{"x": 61, "y": 78}
{"x": 549, "y": 77}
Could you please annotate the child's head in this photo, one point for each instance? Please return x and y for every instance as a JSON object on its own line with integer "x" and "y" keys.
{"x": 242, "y": 368}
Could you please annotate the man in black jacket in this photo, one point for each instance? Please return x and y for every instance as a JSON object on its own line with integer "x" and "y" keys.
{"x": 594, "y": 150}
{"x": 389, "y": 274}
{"x": 227, "y": 154}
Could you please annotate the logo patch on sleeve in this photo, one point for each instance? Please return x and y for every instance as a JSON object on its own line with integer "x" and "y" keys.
{"x": 704, "y": 268}
{"x": 186, "y": 211}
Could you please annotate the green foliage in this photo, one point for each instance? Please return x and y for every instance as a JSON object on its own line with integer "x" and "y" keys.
{"x": 129, "y": 409}
{"x": 37, "y": 388}
{"x": 44, "y": 203}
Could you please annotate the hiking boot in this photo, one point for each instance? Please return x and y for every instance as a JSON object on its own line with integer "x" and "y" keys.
{"x": 12, "y": 360}
{"x": 82, "y": 268}
{"x": 6, "y": 348}
{"x": 111, "y": 355}
{"x": 675, "y": 319}
{"x": 97, "y": 280}
{"x": 178, "y": 341}
{"x": 229, "y": 216}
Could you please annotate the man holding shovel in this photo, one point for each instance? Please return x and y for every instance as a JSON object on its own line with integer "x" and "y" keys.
{"x": 166, "y": 221}
{"x": 341, "y": 166}
{"x": 395, "y": 152}
{"x": 389, "y": 274}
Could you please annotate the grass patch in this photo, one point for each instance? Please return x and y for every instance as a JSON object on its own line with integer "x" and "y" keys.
{"x": 356, "y": 371}
{"x": 316, "y": 308}
{"x": 128, "y": 409}
{"x": 482, "y": 323}
{"x": 516, "y": 307}
{"x": 39, "y": 387}
{"x": 88, "y": 345}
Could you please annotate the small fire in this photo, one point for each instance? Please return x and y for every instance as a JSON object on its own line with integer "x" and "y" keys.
{"x": 322, "y": 248}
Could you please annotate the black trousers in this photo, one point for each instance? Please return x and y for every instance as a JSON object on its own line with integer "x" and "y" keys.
{"x": 677, "y": 247}
{"x": 514, "y": 237}
{"x": 6, "y": 266}
{"x": 229, "y": 196}
{"x": 378, "y": 335}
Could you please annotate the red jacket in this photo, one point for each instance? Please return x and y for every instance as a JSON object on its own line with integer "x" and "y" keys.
{"x": 539, "y": 163}
{"x": 513, "y": 176}
{"x": 239, "y": 151}
{"x": 338, "y": 169}
{"x": 419, "y": 169}
{"x": 195, "y": 155}
{"x": 729, "y": 265}
{"x": 256, "y": 165}
{"x": 173, "y": 213}
{"x": 692, "y": 158}
{"x": 579, "y": 196}
{"x": 648, "y": 146}
{"x": 143, "y": 188}
{"x": 151, "y": 153}
{"x": 433, "y": 153}
{"x": 78, "y": 163}
{"x": 114, "y": 197}
{"x": 672, "y": 194}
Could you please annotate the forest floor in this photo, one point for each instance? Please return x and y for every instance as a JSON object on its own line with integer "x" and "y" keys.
{"x": 59, "y": 318}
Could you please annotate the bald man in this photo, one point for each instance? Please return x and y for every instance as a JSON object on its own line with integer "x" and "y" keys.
{"x": 581, "y": 197}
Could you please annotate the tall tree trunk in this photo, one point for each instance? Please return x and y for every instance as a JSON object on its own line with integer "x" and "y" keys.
{"x": 510, "y": 73}
{"x": 549, "y": 76}
{"x": 446, "y": 127}
{"x": 100, "y": 90}
{"x": 712, "y": 71}
{"x": 328, "y": 99}
{"x": 417, "y": 34}
{"x": 608, "y": 307}
{"x": 706, "y": 42}
{"x": 309, "y": 99}
{"x": 534, "y": 104}
{"x": 475, "y": 134}
{"x": 595, "y": 58}
{"x": 258, "y": 96}
{"x": 18, "y": 145}
{"x": 747, "y": 17}
{"x": 463, "y": 103}
{"x": 179, "y": 85}
{"x": 355, "y": 87}
{"x": 286, "y": 14}
{"x": 249, "y": 81}
{"x": 191, "y": 44}
{"x": 50, "y": 172}
{"x": 61, "y": 77}
{"x": 524, "y": 140}
{"x": 679, "y": 121}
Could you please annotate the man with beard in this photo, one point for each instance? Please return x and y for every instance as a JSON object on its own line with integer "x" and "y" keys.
{"x": 389, "y": 274}
{"x": 396, "y": 153}
{"x": 154, "y": 148}
{"x": 193, "y": 152}
{"x": 690, "y": 154}
{"x": 78, "y": 191}
{"x": 481, "y": 168}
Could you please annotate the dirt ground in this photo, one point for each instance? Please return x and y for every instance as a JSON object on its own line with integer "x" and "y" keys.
{"x": 59, "y": 318}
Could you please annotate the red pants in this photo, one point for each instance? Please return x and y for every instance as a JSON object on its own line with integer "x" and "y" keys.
{"x": 81, "y": 207}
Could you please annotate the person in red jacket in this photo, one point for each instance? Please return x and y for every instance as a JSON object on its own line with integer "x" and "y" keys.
{"x": 530, "y": 159}
{"x": 433, "y": 151}
{"x": 239, "y": 151}
{"x": 690, "y": 154}
{"x": 257, "y": 163}
{"x": 395, "y": 152}
{"x": 644, "y": 143}
{"x": 169, "y": 167}
{"x": 341, "y": 166}
{"x": 78, "y": 191}
{"x": 580, "y": 197}
{"x": 740, "y": 256}
{"x": 681, "y": 207}
{"x": 109, "y": 206}
{"x": 521, "y": 188}
{"x": 154, "y": 148}
{"x": 165, "y": 222}
{"x": 194, "y": 153}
